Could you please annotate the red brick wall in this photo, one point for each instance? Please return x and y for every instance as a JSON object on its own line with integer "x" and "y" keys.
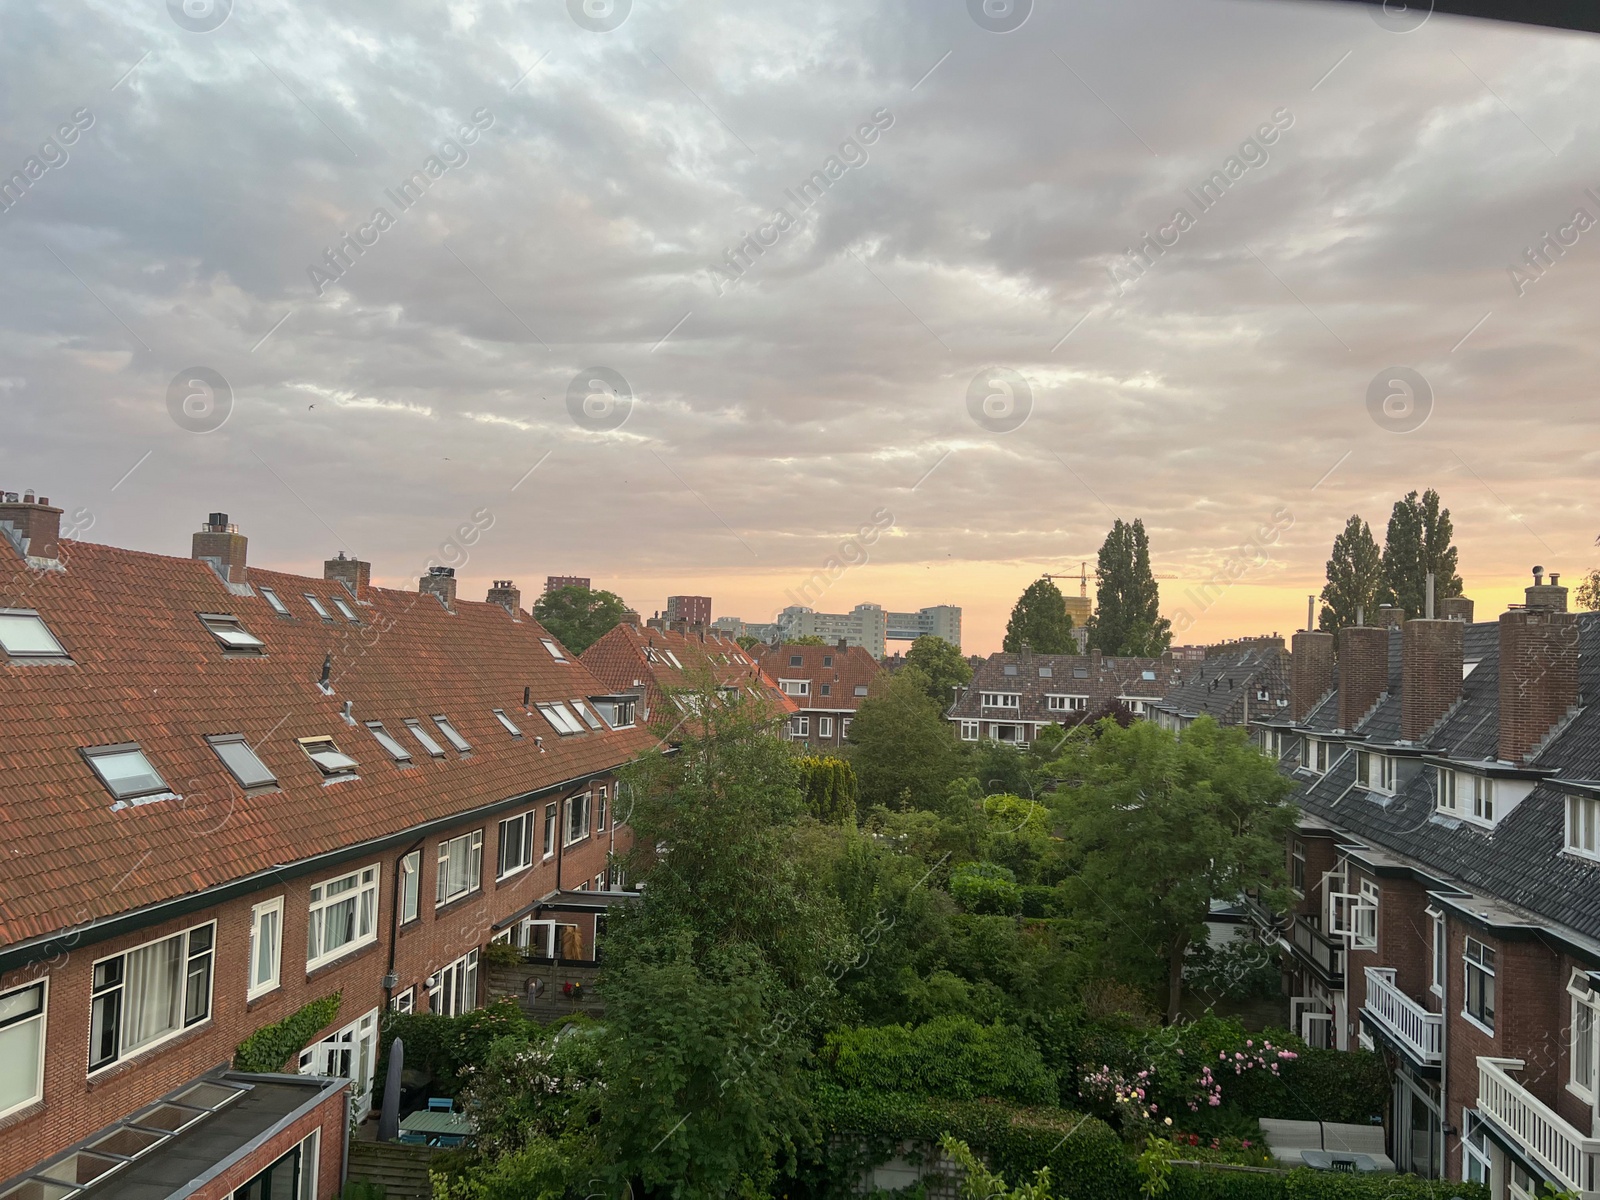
{"x": 75, "y": 1106}
{"x": 1430, "y": 673}
{"x": 1363, "y": 671}
{"x": 1310, "y": 671}
{"x": 1538, "y": 677}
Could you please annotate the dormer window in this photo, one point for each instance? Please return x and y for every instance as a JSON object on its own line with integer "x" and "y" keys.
{"x": 125, "y": 771}
{"x": 273, "y": 599}
{"x": 1375, "y": 772}
{"x": 233, "y": 636}
{"x": 23, "y": 634}
{"x": 795, "y": 687}
{"x": 329, "y": 760}
{"x": 1464, "y": 794}
{"x": 1583, "y": 825}
{"x": 507, "y": 723}
{"x": 319, "y": 608}
{"x": 1318, "y": 755}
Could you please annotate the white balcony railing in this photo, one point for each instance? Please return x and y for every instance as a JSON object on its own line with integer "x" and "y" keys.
{"x": 1421, "y": 1031}
{"x": 1552, "y": 1143}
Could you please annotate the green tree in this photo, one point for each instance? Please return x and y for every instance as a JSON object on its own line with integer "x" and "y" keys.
{"x": 750, "y": 643}
{"x": 805, "y": 639}
{"x": 716, "y": 981}
{"x": 905, "y": 753}
{"x": 1127, "y": 619}
{"x": 579, "y": 617}
{"x": 829, "y": 785}
{"x": 1589, "y": 591}
{"x": 1039, "y": 618}
{"x": 944, "y": 665}
{"x": 1160, "y": 825}
{"x": 1419, "y": 541}
{"x": 1355, "y": 577}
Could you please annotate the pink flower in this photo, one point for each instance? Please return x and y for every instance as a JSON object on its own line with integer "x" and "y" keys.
{"x": 1216, "y": 1101}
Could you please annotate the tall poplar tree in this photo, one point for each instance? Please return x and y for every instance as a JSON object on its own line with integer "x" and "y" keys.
{"x": 1040, "y": 618}
{"x": 1355, "y": 577}
{"x": 1127, "y": 619}
{"x": 1419, "y": 541}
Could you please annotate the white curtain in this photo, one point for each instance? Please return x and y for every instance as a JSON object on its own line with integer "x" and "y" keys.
{"x": 152, "y": 1002}
{"x": 20, "y": 1045}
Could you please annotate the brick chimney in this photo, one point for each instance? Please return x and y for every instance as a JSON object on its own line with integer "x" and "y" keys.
{"x": 630, "y": 617}
{"x": 1456, "y": 608}
{"x": 1310, "y": 672}
{"x": 1391, "y": 616}
{"x": 1363, "y": 671}
{"x": 352, "y": 572}
{"x": 223, "y": 546}
{"x": 1430, "y": 673}
{"x": 506, "y": 595}
{"x": 440, "y": 582}
{"x": 1538, "y": 667}
{"x": 34, "y": 524}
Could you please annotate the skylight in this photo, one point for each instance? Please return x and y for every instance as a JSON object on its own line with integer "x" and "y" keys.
{"x": 560, "y": 718}
{"x": 582, "y": 710}
{"x": 555, "y": 650}
{"x": 674, "y": 659}
{"x": 424, "y": 737}
{"x": 23, "y": 634}
{"x": 242, "y": 761}
{"x": 329, "y": 760}
{"x": 1147, "y": 675}
{"x": 278, "y": 606}
{"x": 318, "y": 607}
{"x": 1047, "y": 672}
{"x": 450, "y": 734}
{"x": 346, "y": 611}
{"x": 233, "y": 636}
{"x": 388, "y": 741}
{"x": 125, "y": 771}
{"x": 507, "y": 722}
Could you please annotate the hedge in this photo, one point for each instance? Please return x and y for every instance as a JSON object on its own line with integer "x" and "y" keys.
{"x": 266, "y": 1050}
{"x": 952, "y": 1057}
{"x": 444, "y": 1047}
{"x": 1302, "y": 1183}
{"x": 866, "y": 1128}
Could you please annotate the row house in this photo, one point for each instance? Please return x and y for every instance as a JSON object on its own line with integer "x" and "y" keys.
{"x": 662, "y": 667}
{"x": 231, "y": 792}
{"x": 1235, "y": 683}
{"x": 1013, "y": 696}
{"x": 1447, "y": 865}
{"x": 826, "y": 683}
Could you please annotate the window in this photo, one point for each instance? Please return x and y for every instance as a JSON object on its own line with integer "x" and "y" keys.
{"x": 1583, "y": 820}
{"x": 1046, "y": 673}
{"x": 799, "y": 727}
{"x": 390, "y": 743}
{"x": 150, "y": 994}
{"x": 330, "y": 761}
{"x": 454, "y": 990}
{"x": 346, "y": 611}
{"x": 555, "y": 650}
{"x": 844, "y": 727}
{"x": 351, "y": 1053}
{"x": 507, "y": 723}
{"x": 1483, "y": 799}
{"x": 1447, "y": 790}
{"x": 1375, "y": 772}
{"x": 1317, "y": 755}
{"x": 1080, "y": 672}
{"x": 551, "y": 813}
{"x": 1066, "y": 703}
{"x": 450, "y": 735}
{"x": 424, "y": 738}
{"x": 23, "y": 634}
{"x": 292, "y": 1177}
{"x": 827, "y": 660}
{"x": 1002, "y": 700}
{"x": 460, "y": 867}
{"x": 825, "y": 727}
{"x": 318, "y": 607}
{"x": 827, "y": 689}
{"x": 410, "y": 885}
{"x": 1150, "y": 676}
{"x": 584, "y": 711}
{"x": 404, "y": 1002}
{"x": 1009, "y": 669}
{"x": 22, "y": 1014}
{"x": 278, "y": 606}
{"x": 125, "y": 771}
{"x": 516, "y": 844}
{"x": 797, "y": 660}
{"x": 242, "y": 761}
{"x": 1585, "y": 1024}
{"x": 231, "y": 634}
{"x": 343, "y": 916}
{"x": 1297, "y": 866}
{"x": 795, "y": 687}
{"x": 969, "y": 731}
{"x": 861, "y": 689}
{"x": 577, "y": 818}
{"x": 266, "y": 947}
{"x": 1366, "y": 917}
{"x": 1478, "y": 960}
{"x": 1440, "y": 952}
{"x": 560, "y": 718}
{"x": 600, "y": 810}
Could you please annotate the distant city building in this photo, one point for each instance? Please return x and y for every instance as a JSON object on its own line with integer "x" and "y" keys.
{"x": 735, "y": 628}
{"x": 942, "y": 620}
{"x": 1080, "y": 609}
{"x": 694, "y": 609}
{"x": 866, "y": 625}
{"x": 1189, "y": 653}
{"x": 553, "y": 582}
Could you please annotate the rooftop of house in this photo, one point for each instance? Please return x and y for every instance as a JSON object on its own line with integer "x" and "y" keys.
{"x": 1035, "y": 677}
{"x": 656, "y": 661}
{"x": 1235, "y": 682}
{"x": 845, "y": 671}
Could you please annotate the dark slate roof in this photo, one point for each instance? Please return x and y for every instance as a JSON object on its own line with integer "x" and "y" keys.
{"x": 1103, "y": 680}
{"x": 1519, "y": 862}
{"x": 1226, "y": 684}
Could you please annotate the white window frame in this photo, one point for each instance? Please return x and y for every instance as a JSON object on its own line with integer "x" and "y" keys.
{"x": 551, "y": 829}
{"x": 601, "y": 795}
{"x": 231, "y": 634}
{"x": 274, "y": 601}
{"x": 404, "y": 1002}
{"x": 1469, "y": 964}
{"x": 368, "y": 880}
{"x": 970, "y": 730}
{"x": 1297, "y": 858}
{"x": 799, "y": 726}
{"x": 410, "y": 887}
{"x": 1366, "y": 917}
{"x": 844, "y": 727}
{"x": 26, "y": 613}
{"x": 185, "y": 1021}
{"x": 1583, "y": 825}
{"x": 1585, "y": 1009}
{"x": 525, "y": 823}
{"x": 41, "y": 1021}
{"x": 1001, "y": 700}
{"x": 1447, "y": 798}
{"x": 442, "y": 895}
{"x": 1483, "y": 800}
{"x": 1059, "y": 702}
{"x": 825, "y": 727}
{"x": 579, "y": 812}
{"x": 1313, "y": 757}
{"x": 260, "y": 987}
{"x": 795, "y": 687}
{"x": 1439, "y": 952}
{"x": 459, "y": 979}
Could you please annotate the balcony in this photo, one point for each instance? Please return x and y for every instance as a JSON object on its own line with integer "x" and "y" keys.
{"x": 1419, "y": 1032}
{"x": 1570, "y": 1157}
{"x": 1268, "y": 924}
{"x": 1322, "y": 953}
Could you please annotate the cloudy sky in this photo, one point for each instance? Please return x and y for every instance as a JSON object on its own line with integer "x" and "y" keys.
{"x": 950, "y": 336}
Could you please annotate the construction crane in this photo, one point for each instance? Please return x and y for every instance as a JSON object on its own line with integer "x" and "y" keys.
{"x": 1083, "y": 577}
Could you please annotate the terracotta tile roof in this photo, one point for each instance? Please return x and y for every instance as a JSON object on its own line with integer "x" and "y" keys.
{"x": 144, "y": 669}
{"x": 842, "y": 672}
{"x": 655, "y": 662}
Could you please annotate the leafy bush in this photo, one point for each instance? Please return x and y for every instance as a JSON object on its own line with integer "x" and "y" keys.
{"x": 1302, "y": 1183}
{"x": 952, "y": 1057}
{"x": 446, "y": 1047}
{"x": 266, "y": 1050}
{"x": 1240, "y": 969}
{"x": 539, "y": 1171}
{"x": 829, "y": 785}
{"x": 986, "y": 888}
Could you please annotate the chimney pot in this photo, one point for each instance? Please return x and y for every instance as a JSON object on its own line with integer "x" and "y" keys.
{"x": 506, "y": 594}
{"x": 1456, "y": 608}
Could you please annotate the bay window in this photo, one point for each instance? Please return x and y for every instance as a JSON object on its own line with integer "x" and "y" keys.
{"x": 344, "y": 916}
{"x": 150, "y": 993}
{"x": 460, "y": 867}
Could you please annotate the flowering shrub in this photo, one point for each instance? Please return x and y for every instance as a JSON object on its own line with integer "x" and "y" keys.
{"x": 1179, "y": 1078}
